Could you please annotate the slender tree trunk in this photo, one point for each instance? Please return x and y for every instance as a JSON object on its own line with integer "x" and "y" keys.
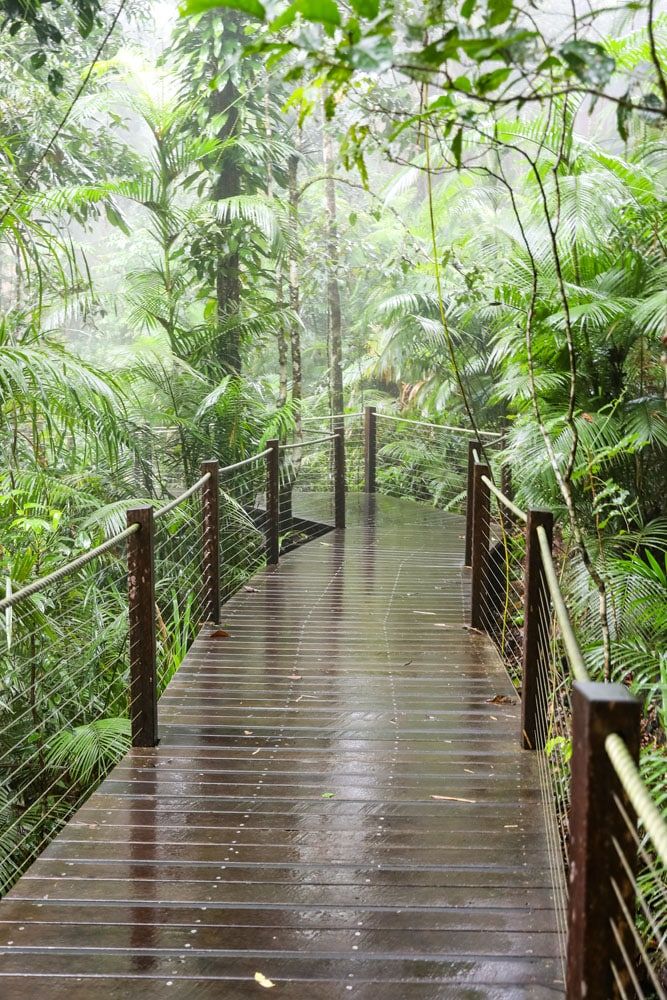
{"x": 293, "y": 280}
{"x": 281, "y": 336}
{"x": 281, "y": 333}
{"x": 227, "y": 279}
{"x": 332, "y": 265}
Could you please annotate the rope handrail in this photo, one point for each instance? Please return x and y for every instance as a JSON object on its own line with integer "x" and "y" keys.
{"x": 521, "y": 514}
{"x": 333, "y": 416}
{"x": 37, "y": 585}
{"x": 574, "y": 654}
{"x": 70, "y": 567}
{"x": 639, "y": 795}
{"x": 307, "y": 444}
{"x": 439, "y": 427}
{"x": 177, "y": 501}
{"x": 244, "y": 462}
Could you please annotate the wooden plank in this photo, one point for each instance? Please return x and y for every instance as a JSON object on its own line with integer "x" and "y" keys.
{"x": 336, "y": 802}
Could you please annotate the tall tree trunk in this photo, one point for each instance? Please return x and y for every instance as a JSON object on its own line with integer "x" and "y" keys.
{"x": 281, "y": 332}
{"x": 227, "y": 279}
{"x": 295, "y": 328}
{"x": 333, "y": 288}
{"x": 281, "y": 335}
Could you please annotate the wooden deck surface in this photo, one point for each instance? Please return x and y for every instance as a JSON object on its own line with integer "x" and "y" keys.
{"x": 336, "y": 803}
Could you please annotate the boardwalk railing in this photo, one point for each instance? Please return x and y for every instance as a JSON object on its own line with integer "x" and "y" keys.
{"x": 91, "y": 646}
{"x": 610, "y": 830}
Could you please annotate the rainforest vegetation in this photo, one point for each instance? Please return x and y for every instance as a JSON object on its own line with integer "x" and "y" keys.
{"x": 220, "y": 221}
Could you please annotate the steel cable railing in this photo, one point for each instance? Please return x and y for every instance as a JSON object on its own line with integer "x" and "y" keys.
{"x": 502, "y": 600}
{"x": 243, "y": 521}
{"x": 307, "y": 487}
{"x": 592, "y": 807}
{"x": 64, "y": 701}
{"x": 421, "y": 461}
{"x": 353, "y": 431}
{"x": 88, "y": 648}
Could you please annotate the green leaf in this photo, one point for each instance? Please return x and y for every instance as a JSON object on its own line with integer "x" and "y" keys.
{"x": 37, "y": 59}
{"x": 55, "y": 81}
{"x": 623, "y": 115}
{"x": 366, "y": 8}
{"x": 321, "y": 11}
{"x": 491, "y": 81}
{"x": 499, "y": 11}
{"x": 116, "y": 219}
{"x": 252, "y": 7}
{"x": 463, "y": 83}
{"x": 588, "y": 61}
{"x": 468, "y": 8}
{"x": 457, "y": 145}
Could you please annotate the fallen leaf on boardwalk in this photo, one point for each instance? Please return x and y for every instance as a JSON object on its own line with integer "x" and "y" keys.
{"x": 442, "y": 625}
{"x": 501, "y": 699}
{"x": 247, "y": 732}
{"x": 468, "y": 771}
{"x": 220, "y": 633}
{"x": 255, "y": 751}
{"x": 295, "y": 677}
{"x": 328, "y": 795}
{"x": 494, "y": 717}
{"x": 263, "y": 981}
{"x": 452, "y": 798}
{"x": 251, "y": 590}
{"x": 407, "y": 663}
{"x": 469, "y": 628}
{"x": 423, "y": 612}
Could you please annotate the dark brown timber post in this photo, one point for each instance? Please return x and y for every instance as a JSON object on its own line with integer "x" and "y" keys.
{"x": 211, "y": 539}
{"x": 596, "y": 827}
{"x": 339, "y": 478}
{"x": 143, "y": 653}
{"x": 536, "y": 621}
{"x": 473, "y": 446}
{"x": 370, "y": 447}
{"x": 273, "y": 502}
{"x": 480, "y": 543}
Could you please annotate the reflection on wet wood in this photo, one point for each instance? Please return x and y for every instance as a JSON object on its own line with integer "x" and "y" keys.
{"x": 336, "y": 803}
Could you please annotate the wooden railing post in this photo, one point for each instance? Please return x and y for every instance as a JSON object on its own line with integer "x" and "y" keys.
{"x": 273, "y": 502}
{"x": 339, "y": 478}
{"x": 598, "y": 832}
{"x": 370, "y": 447}
{"x": 472, "y": 447}
{"x": 211, "y": 540}
{"x": 480, "y": 543}
{"x": 143, "y": 650}
{"x": 535, "y": 649}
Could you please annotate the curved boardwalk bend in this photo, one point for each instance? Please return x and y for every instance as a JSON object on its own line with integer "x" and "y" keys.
{"x": 338, "y": 802}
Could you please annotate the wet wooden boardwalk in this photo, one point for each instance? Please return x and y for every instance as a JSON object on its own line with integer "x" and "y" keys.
{"x": 336, "y": 803}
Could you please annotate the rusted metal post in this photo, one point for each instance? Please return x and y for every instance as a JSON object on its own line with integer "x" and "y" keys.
{"x": 599, "y": 836}
{"x": 339, "y": 478}
{"x": 273, "y": 502}
{"x": 472, "y": 447}
{"x": 370, "y": 447}
{"x": 536, "y": 621}
{"x": 143, "y": 650}
{"x": 480, "y": 543}
{"x": 211, "y": 540}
